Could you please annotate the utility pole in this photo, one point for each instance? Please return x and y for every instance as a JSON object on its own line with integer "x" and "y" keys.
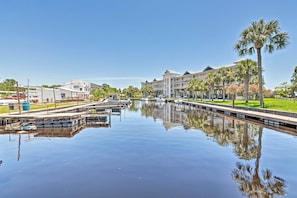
{"x": 55, "y": 98}
{"x": 18, "y": 96}
{"x": 28, "y": 91}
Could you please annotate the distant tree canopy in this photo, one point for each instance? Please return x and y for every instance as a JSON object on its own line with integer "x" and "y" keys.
{"x": 283, "y": 90}
{"x": 104, "y": 91}
{"x": 294, "y": 81}
{"x": 147, "y": 91}
{"x": 51, "y": 86}
{"x": 131, "y": 92}
{"x": 8, "y": 85}
{"x": 98, "y": 93}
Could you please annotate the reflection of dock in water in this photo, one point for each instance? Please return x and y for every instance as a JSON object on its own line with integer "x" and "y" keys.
{"x": 58, "y": 125}
{"x": 59, "y": 132}
{"x": 98, "y": 120}
{"x": 278, "y": 119}
{"x": 48, "y": 132}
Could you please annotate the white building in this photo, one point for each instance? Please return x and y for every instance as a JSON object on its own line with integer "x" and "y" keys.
{"x": 73, "y": 90}
{"x": 72, "y": 94}
{"x": 77, "y": 88}
{"x": 175, "y": 84}
{"x": 43, "y": 95}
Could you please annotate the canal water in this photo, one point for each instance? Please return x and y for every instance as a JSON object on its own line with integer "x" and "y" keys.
{"x": 152, "y": 150}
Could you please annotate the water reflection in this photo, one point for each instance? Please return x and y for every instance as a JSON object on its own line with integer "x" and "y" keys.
{"x": 243, "y": 136}
{"x": 206, "y": 155}
{"x": 248, "y": 178}
{"x": 252, "y": 184}
{"x": 19, "y": 148}
{"x": 48, "y": 133}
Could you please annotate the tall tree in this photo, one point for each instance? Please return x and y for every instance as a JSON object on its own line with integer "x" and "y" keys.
{"x": 202, "y": 88}
{"x": 224, "y": 76}
{"x": 193, "y": 86}
{"x": 210, "y": 82}
{"x": 245, "y": 71}
{"x": 258, "y": 35}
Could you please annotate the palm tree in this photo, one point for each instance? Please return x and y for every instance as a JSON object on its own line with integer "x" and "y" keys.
{"x": 245, "y": 70}
{"x": 210, "y": 82}
{"x": 195, "y": 86}
{"x": 257, "y": 35}
{"x": 147, "y": 90}
{"x": 224, "y": 76}
{"x": 202, "y": 88}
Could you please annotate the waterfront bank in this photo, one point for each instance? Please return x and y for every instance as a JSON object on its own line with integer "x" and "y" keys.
{"x": 279, "y": 119}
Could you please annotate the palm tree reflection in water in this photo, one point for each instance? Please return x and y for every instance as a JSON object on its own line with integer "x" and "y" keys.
{"x": 246, "y": 138}
{"x": 250, "y": 182}
{"x": 242, "y": 135}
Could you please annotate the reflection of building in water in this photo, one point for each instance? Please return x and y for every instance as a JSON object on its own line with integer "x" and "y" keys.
{"x": 243, "y": 136}
{"x": 174, "y": 115}
{"x": 173, "y": 118}
{"x": 171, "y": 114}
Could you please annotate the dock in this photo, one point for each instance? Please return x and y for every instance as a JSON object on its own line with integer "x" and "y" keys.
{"x": 266, "y": 117}
{"x": 95, "y": 114}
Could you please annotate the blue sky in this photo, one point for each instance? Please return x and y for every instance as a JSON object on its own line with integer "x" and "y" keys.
{"x": 125, "y": 42}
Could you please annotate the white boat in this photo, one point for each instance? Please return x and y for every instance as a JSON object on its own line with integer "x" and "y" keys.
{"x": 160, "y": 99}
{"x": 179, "y": 101}
{"x": 29, "y": 127}
{"x": 143, "y": 99}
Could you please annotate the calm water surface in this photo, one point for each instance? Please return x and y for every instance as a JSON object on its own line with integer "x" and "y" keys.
{"x": 152, "y": 150}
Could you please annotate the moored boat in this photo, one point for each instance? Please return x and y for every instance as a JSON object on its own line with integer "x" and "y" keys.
{"x": 179, "y": 101}
{"x": 29, "y": 127}
{"x": 160, "y": 100}
{"x": 143, "y": 99}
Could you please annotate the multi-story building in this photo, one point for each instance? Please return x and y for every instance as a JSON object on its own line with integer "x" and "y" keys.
{"x": 175, "y": 84}
{"x": 72, "y": 90}
{"x": 78, "y": 89}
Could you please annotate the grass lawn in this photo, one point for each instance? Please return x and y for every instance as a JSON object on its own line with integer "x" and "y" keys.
{"x": 5, "y": 109}
{"x": 269, "y": 103}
